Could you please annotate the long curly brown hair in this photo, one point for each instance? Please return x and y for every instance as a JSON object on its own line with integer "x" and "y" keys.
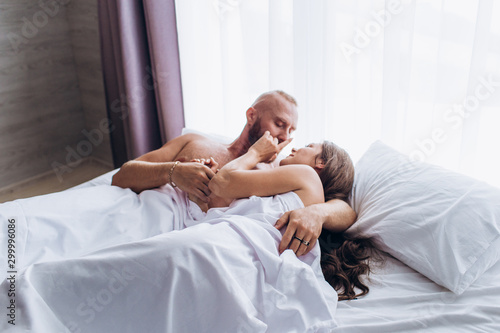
{"x": 345, "y": 263}
{"x": 344, "y": 260}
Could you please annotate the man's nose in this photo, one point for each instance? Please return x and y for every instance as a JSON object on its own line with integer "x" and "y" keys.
{"x": 283, "y": 136}
{"x": 294, "y": 150}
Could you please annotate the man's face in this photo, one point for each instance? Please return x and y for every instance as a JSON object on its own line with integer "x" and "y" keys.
{"x": 280, "y": 120}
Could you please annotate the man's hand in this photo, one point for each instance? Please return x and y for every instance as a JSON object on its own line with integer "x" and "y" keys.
{"x": 267, "y": 147}
{"x": 193, "y": 178}
{"x": 304, "y": 223}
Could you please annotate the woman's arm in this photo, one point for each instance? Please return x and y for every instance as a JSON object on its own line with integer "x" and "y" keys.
{"x": 237, "y": 179}
{"x": 302, "y": 179}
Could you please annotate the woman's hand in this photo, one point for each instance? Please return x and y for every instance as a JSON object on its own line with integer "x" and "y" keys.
{"x": 267, "y": 147}
{"x": 209, "y": 162}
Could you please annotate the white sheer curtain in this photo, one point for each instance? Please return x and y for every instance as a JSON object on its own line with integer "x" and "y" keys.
{"x": 422, "y": 76}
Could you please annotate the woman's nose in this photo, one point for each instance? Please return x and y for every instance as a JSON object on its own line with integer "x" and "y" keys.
{"x": 294, "y": 150}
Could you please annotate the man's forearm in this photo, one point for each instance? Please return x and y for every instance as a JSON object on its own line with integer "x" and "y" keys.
{"x": 336, "y": 215}
{"x": 140, "y": 175}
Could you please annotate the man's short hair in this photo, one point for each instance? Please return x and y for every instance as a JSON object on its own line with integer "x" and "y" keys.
{"x": 283, "y": 94}
{"x": 286, "y": 96}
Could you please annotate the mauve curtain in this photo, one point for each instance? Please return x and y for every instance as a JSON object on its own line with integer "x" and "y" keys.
{"x": 140, "y": 58}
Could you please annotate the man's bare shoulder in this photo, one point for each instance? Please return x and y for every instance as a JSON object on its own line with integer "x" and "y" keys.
{"x": 189, "y": 137}
{"x": 196, "y": 136}
{"x": 194, "y": 145}
{"x": 172, "y": 148}
{"x": 184, "y": 139}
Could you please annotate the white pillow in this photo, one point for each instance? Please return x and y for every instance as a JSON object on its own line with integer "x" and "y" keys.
{"x": 442, "y": 224}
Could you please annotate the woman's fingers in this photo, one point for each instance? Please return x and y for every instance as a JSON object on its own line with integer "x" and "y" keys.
{"x": 266, "y": 147}
{"x": 284, "y": 144}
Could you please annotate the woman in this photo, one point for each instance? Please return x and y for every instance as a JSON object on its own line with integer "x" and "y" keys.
{"x": 315, "y": 173}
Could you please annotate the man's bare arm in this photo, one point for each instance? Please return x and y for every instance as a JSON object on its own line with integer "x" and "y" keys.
{"x": 338, "y": 215}
{"x": 141, "y": 175}
{"x": 306, "y": 223}
{"x": 153, "y": 170}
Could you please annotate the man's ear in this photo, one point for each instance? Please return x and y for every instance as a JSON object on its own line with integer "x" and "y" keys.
{"x": 251, "y": 115}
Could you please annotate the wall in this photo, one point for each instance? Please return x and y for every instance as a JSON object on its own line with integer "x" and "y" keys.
{"x": 50, "y": 85}
{"x": 84, "y": 28}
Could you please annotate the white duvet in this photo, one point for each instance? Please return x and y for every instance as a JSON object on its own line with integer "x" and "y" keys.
{"x": 102, "y": 259}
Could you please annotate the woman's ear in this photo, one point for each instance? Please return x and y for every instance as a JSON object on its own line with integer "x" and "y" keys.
{"x": 251, "y": 115}
{"x": 319, "y": 164}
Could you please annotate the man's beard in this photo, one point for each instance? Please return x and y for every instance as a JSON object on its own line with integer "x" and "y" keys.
{"x": 254, "y": 133}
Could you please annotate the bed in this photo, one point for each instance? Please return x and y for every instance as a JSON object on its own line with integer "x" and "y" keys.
{"x": 438, "y": 233}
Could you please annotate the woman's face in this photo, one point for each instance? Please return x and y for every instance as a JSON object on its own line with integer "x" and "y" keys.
{"x": 306, "y": 155}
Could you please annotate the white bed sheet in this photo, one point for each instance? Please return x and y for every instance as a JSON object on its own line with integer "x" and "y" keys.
{"x": 103, "y": 259}
{"x": 403, "y": 300}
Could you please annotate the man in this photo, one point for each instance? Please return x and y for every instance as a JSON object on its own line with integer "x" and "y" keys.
{"x": 274, "y": 111}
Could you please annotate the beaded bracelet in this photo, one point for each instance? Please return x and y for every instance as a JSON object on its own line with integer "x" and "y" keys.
{"x": 170, "y": 175}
